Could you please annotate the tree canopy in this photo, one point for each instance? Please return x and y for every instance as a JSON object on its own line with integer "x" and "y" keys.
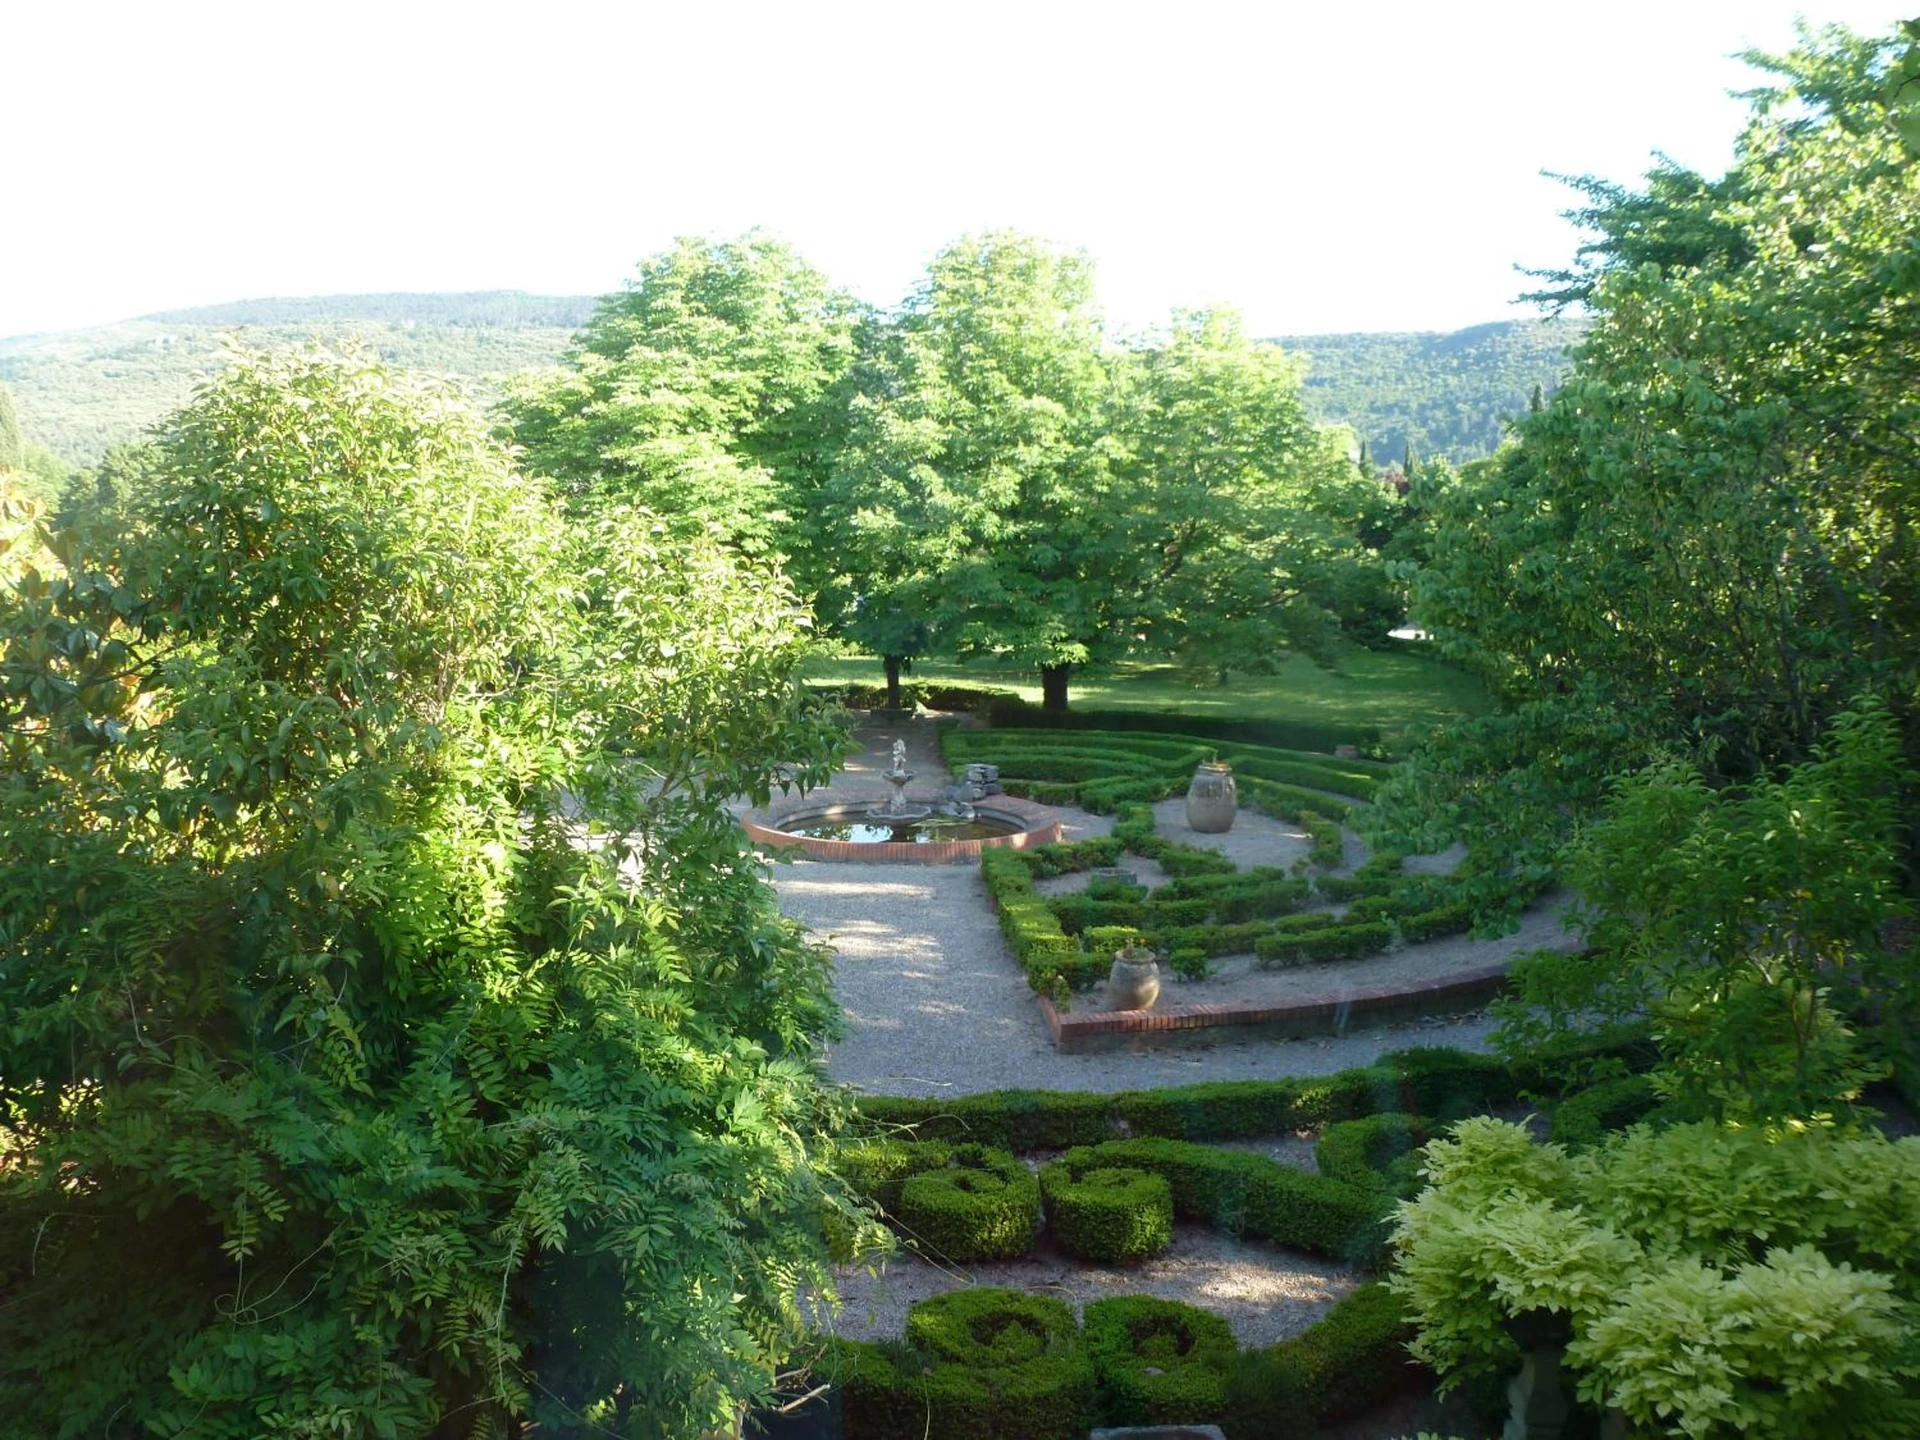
{"x": 1707, "y": 537}
{"x": 698, "y": 391}
{"x": 394, "y": 1036}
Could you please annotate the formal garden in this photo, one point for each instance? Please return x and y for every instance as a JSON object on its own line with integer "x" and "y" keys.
{"x": 425, "y": 1011}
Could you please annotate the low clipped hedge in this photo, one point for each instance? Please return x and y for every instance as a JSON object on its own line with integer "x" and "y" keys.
{"x": 1353, "y": 1360}
{"x": 1246, "y": 1194}
{"x": 1374, "y": 1152}
{"x": 1105, "y": 1212}
{"x": 981, "y": 1204}
{"x": 1436, "y": 1081}
{"x": 984, "y": 1364}
{"x": 1587, "y": 1116}
{"x": 1158, "y": 1362}
{"x": 990, "y": 1364}
{"x": 1282, "y": 949}
{"x": 877, "y": 1169}
{"x": 1435, "y": 924}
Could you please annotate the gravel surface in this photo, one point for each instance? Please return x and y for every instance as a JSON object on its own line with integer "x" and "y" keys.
{"x": 936, "y": 1004}
{"x": 1265, "y": 1293}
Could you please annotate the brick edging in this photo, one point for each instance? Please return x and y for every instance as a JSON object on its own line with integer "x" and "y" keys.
{"x": 1043, "y": 827}
{"x": 1326, "y": 1014}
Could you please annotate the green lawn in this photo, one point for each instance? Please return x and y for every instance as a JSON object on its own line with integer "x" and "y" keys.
{"x": 1368, "y": 689}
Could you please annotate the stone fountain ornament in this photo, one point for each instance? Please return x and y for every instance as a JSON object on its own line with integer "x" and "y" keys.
{"x": 896, "y": 810}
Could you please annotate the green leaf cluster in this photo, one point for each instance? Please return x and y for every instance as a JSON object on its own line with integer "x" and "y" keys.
{"x": 1717, "y": 1280}
{"x": 395, "y": 1037}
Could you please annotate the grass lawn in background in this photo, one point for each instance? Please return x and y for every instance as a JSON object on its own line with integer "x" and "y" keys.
{"x": 1384, "y": 690}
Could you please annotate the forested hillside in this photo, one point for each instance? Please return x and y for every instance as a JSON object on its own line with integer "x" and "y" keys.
{"x": 80, "y": 391}
{"x": 1444, "y": 394}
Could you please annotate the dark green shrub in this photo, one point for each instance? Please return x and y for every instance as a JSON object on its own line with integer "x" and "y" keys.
{"x": 1446, "y": 1083}
{"x": 878, "y": 1168}
{"x": 1433, "y": 924}
{"x": 1369, "y": 908}
{"x": 1246, "y": 1194}
{"x": 1305, "y": 922}
{"x": 1340, "y": 942}
{"x": 1436, "y": 1081}
{"x": 1262, "y": 900}
{"x": 1106, "y": 1213}
{"x": 982, "y": 1204}
{"x": 981, "y": 1364}
{"x": 1115, "y": 887}
{"x": 1351, "y": 1362}
{"x": 1350, "y": 887}
{"x": 1586, "y": 1116}
{"x": 1189, "y": 962}
{"x": 1163, "y": 915}
{"x": 1374, "y": 1152}
{"x": 1158, "y": 1362}
{"x": 1012, "y": 1119}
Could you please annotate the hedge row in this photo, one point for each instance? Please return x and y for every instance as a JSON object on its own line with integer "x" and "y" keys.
{"x": 1378, "y": 1152}
{"x": 981, "y": 1204}
{"x": 1249, "y": 1195}
{"x": 1434, "y": 1081}
{"x": 1106, "y": 1212}
{"x": 1586, "y": 1116}
{"x": 1102, "y": 771}
{"x": 1157, "y": 1362}
{"x": 985, "y": 1364}
{"x": 997, "y": 1363}
{"x": 1352, "y": 1361}
{"x": 1339, "y": 942}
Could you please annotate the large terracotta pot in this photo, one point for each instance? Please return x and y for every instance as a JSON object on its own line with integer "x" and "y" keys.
{"x": 1134, "y": 983}
{"x": 1211, "y": 799}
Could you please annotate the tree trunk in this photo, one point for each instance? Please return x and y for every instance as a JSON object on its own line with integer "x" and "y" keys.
{"x": 892, "y": 662}
{"x": 1053, "y": 688}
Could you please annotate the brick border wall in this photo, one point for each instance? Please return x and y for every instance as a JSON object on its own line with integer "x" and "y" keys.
{"x": 1043, "y": 827}
{"x": 1312, "y": 1015}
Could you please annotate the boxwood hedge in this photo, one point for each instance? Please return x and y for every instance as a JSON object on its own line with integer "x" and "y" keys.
{"x": 981, "y": 1204}
{"x": 1102, "y": 1212}
{"x": 1158, "y": 1362}
{"x": 983, "y": 1364}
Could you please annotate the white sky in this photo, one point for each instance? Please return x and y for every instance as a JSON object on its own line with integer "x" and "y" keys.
{"x": 1324, "y": 166}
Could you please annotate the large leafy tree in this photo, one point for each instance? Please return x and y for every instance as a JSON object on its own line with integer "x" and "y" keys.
{"x": 969, "y": 499}
{"x": 1707, "y": 538}
{"x": 1240, "y": 518}
{"x": 701, "y": 391}
{"x": 1013, "y": 485}
{"x": 394, "y": 1038}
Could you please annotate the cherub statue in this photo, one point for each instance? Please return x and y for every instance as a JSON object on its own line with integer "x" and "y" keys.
{"x": 899, "y": 756}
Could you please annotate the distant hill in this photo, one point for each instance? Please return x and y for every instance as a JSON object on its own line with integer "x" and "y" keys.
{"x": 79, "y": 391}
{"x": 1446, "y": 393}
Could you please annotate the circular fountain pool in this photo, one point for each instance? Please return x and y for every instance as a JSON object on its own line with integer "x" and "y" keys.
{"x": 839, "y": 830}
{"x": 867, "y": 828}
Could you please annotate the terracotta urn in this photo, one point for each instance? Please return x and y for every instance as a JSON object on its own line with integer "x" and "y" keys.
{"x": 1134, "y": 983}
{"x": 1211, "y": 799}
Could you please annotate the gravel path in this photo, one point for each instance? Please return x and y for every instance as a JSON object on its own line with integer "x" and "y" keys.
{"x": 936, "y": 1005}
{"x": 1265, "y": 1293}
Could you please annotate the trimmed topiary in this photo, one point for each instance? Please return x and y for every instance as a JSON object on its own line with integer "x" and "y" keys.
{"x": 982, "y": 1204}
{"x": 1587, "y": 1116}
{"x": 983, "y": 1364}
{"x": 878, "y": 1169}
{"x": 1107, "y": 1212}
{"x": 1375, "y": 1152}
{"x": 1158, "y": 1362}
{"x": 1354, "y": 1359}
{"x": 1247, "y": 1194}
